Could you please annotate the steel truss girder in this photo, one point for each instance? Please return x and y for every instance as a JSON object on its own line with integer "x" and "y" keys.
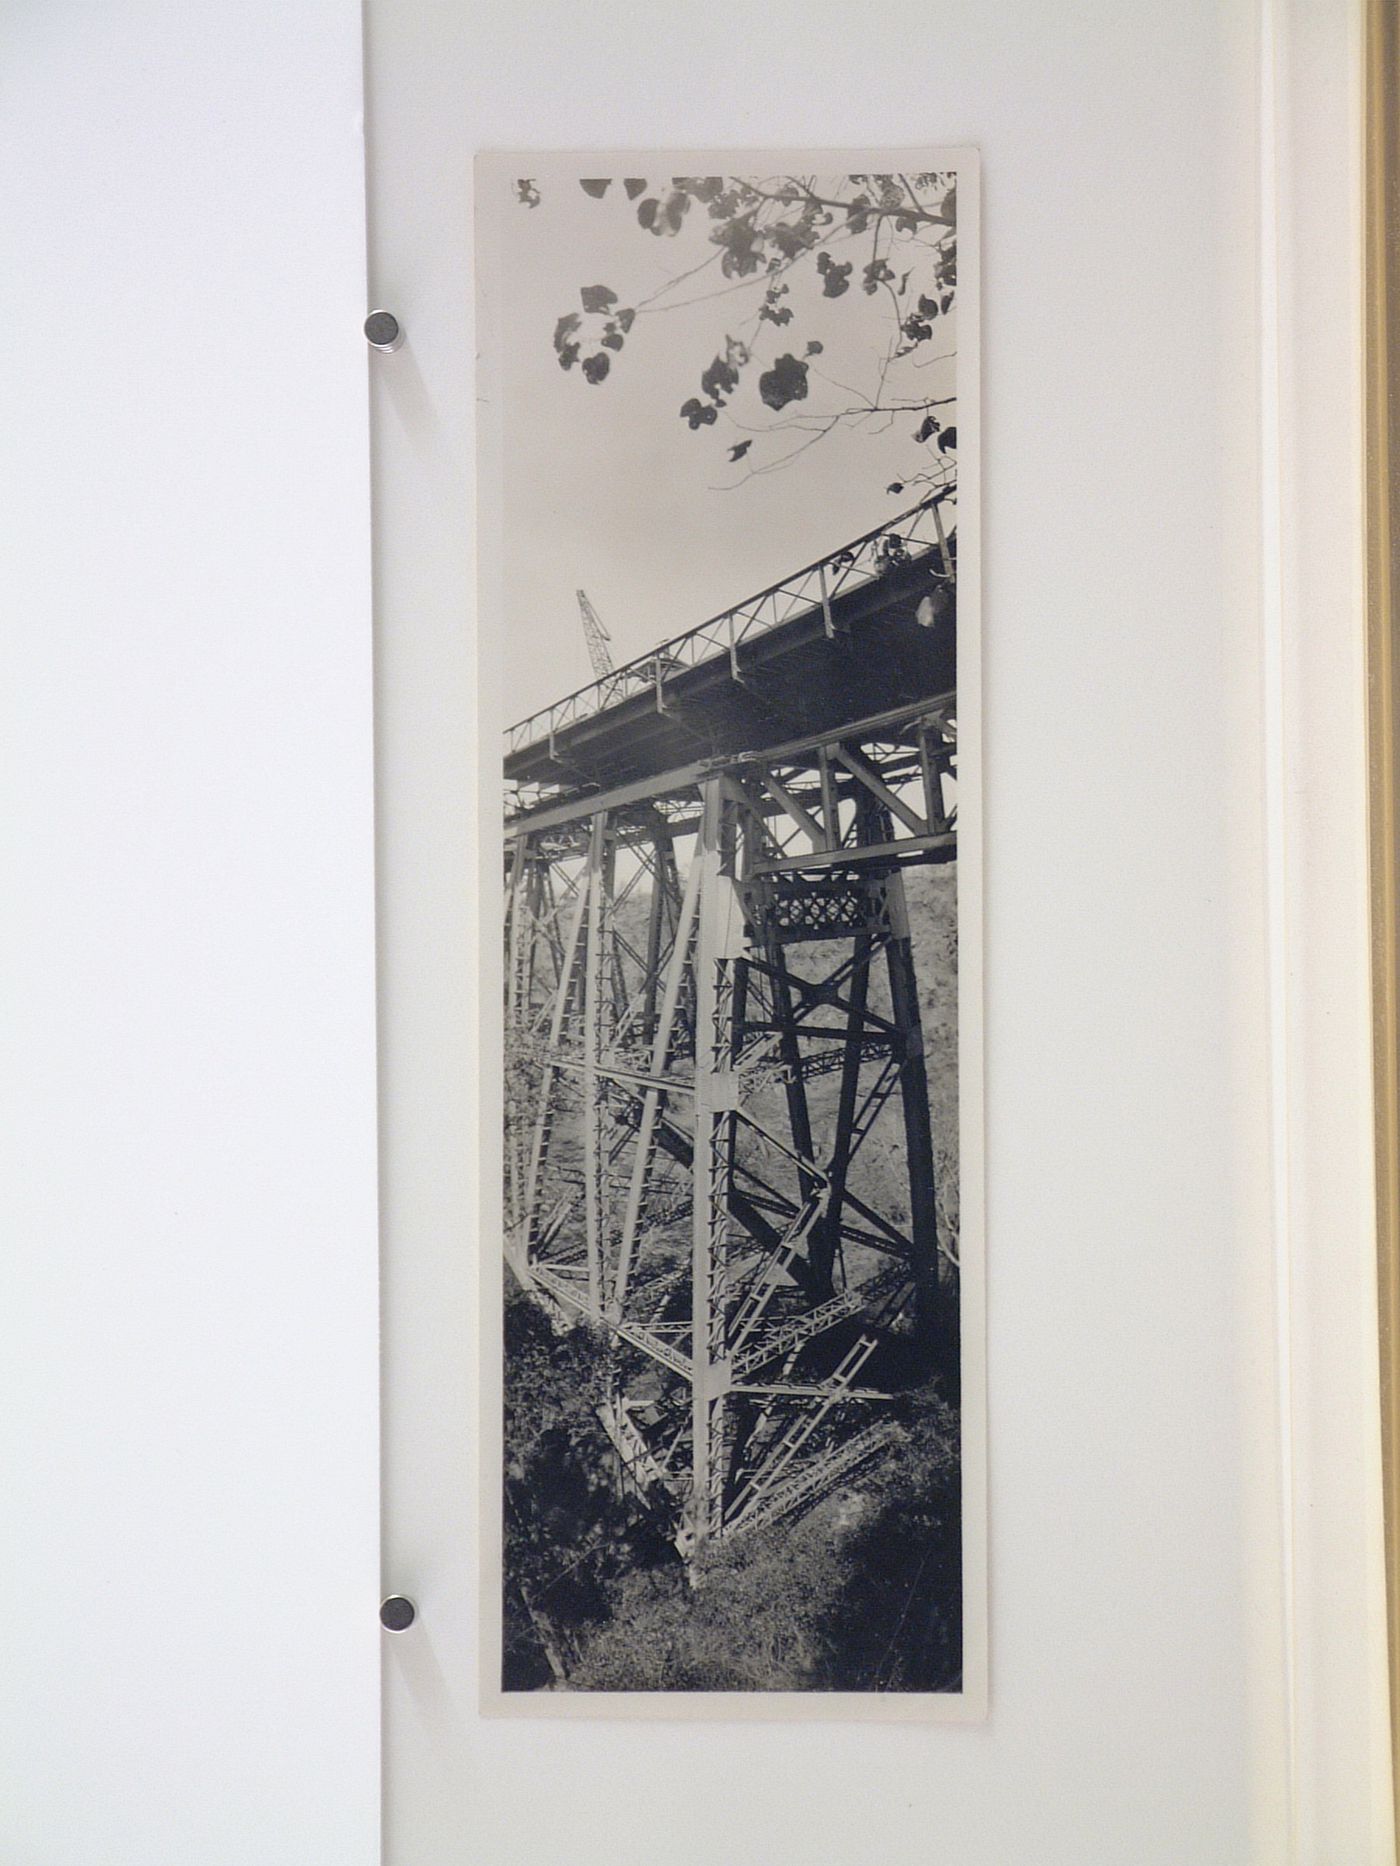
{"x": 683, "y": 972}
{"x": 861, "y": 562}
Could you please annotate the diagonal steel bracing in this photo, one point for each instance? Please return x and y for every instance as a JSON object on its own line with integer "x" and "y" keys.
{"x": 714, "y": 1040}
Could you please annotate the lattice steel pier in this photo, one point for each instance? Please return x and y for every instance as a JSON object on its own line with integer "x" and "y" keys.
{"x": 718, "y": 1144}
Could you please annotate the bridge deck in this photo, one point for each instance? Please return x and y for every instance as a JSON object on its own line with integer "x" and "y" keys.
{"x": 864, "y": 632}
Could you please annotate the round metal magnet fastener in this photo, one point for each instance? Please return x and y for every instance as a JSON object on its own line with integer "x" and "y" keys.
{"x": 397, "y": 1613}
{"x": 383, "y": 330}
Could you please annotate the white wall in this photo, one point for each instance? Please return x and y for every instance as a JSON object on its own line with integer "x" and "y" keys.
{"x": 189, "y": 1560}
{"x": 187, "y": 1316}
{"x": 1143, "y": 1626}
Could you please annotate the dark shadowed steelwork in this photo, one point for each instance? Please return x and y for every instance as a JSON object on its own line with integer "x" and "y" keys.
{"x": 711, "y": 1010}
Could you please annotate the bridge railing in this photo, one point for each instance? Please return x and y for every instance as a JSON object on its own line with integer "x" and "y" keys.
{"x": 811, "y": 589}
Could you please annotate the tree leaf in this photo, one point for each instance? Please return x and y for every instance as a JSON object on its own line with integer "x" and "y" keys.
{"x": 596, "y": 188}
{"x": 565, "y": 328}
{"x": 699, "y": 414}
{"x": 741, "y": 242}
{"x": 792, "y": 237}
{"x": 835, "y": 278}
{"x": 597, "y": 298}
{"x": 740, "y": 448}
{"x": 664, "y": 218}
{"x": 785, "y": 382}
{"x": 948, "y": 438}
{"x": 596, "y": 367}
{"x": 634, "y": 186}
{"x": 720, "y": 379}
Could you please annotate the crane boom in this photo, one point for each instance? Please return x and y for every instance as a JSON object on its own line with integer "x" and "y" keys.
{"x": 596, "y": 636}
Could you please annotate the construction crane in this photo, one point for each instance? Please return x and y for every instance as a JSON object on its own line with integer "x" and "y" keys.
{"x": 596, "y": 636}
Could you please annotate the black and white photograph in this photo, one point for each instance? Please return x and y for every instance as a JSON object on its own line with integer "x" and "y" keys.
{"x": 729, "y": 618}
{"x": 700, "y": 780}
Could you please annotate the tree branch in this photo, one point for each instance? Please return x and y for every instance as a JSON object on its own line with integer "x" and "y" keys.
{"x": 924, "y": 214}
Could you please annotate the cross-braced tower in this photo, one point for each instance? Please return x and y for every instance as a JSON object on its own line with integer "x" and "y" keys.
{"x": 718, "y": 1139}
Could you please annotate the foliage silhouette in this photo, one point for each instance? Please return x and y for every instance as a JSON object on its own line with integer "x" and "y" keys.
{"x": 795, "y": 241}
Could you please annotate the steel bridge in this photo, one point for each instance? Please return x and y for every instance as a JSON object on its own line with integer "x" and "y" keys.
{"x": 712, "y": 1008}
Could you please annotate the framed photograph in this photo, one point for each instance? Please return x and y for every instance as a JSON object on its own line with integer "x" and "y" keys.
{"x": 1172, "y": 1609}
{"x": 702, "y": 807}
{"x": 729, "y": 479}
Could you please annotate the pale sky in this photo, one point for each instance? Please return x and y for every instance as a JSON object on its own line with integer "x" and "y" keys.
{"x": 606, "y": 488}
